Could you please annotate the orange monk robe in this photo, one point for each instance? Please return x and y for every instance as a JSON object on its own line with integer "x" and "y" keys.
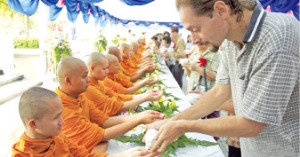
{"x": 109, "y": 92}
{"x": 82, "y": 120}
{"x": 115, "y": 86}
{"x": 121, "y": 78}
{"x": 141, "y": 50}
{"x": 136, "y": 58}
{"x": 52, "y": 147}
{"x": 110, "y": 105}
{"x": 128, "y": 67}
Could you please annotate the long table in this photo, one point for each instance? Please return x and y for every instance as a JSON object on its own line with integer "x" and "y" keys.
{"x": 190, "y": 151}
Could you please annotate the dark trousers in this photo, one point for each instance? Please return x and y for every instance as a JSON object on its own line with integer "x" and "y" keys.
{"x": 234, "y": 152}
{"x": 177, "y": 72}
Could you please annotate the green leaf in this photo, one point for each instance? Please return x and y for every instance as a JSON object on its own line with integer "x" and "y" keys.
{"x": 137, "y": 139}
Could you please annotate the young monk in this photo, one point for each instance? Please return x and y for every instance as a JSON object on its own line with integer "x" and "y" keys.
{"x": 84, "y": 123}
{"x": 119, "y": 77}
{"x": 140, "y": 57}
{"x": 114, "y": 68}
{"x": 40, "y": 110}
{"x": 104, "y": 98}
{"x": 129, "y": 68}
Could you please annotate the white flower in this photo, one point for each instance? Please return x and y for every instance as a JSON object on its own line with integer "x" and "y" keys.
{"x": 165, "y": 103}
{"x": 155, "y": 103}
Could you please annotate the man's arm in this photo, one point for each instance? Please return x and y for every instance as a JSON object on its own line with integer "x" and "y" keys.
{"x": 228, "y": 106}
{"x": 209, "y": 102}
{"x": 230, "y": 126}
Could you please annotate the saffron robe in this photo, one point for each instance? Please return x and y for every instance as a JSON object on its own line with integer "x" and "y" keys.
{"x": 52, "y": 147}
{"x": 121, "y": 78}
{"x": 115, "y": 86}
{"x": 82, "y": 120}
{"x": 104, "y": 98}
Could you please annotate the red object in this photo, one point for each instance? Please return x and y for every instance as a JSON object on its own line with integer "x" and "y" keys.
{"x": 174, "y": 45}
{"x": 202, "y": 62}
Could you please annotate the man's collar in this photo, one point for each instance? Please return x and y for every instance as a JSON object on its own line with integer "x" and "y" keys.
{"x": 255, "y": 23}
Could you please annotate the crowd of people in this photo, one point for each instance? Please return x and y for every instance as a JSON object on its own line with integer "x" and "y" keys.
{"x": 238, "y": 58}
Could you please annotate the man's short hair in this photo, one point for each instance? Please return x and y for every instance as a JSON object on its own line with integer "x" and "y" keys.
{"x": 174, "y": 29}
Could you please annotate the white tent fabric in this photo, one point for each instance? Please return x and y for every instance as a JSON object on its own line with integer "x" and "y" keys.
{"x": 158, "y": 10}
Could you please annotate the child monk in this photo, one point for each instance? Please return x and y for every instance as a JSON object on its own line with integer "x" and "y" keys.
{"x": 128, "y": 67}
{"x": 103, "y": 97}
{"x": 121, "y": 77}
{"x": 40, "y": 110}
{"x": 84, "y": 123}
{"x": 114, "y": 68}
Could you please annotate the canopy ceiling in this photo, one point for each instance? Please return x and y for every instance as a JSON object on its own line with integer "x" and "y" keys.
{"x": 139, "y": 12}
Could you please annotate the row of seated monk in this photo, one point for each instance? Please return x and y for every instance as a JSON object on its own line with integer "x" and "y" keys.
{"x": 81, "y": 114}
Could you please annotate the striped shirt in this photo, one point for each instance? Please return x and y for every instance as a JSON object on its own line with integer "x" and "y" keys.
{"x": 264, "y": 79}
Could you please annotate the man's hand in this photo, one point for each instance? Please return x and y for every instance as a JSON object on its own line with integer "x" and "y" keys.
{"x": 167, "y": 133}
{"x": 148, "y": 116}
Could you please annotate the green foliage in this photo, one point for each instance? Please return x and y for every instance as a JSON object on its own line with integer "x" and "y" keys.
{"x": 100, "y": 45}
{"x": 26, "y": 43}
{"x": 5, "y": 10}
{"x": 117, "y": 40}
{"x": 181, "y": 142}
{"x": 166, "y": 105}
{"x": 168, "y": 110}
{"x": 61, "y": 50}
{"x": 137, "y": 139}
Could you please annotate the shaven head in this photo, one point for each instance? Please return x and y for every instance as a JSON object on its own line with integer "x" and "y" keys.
{"x": 135, "y": 46}
{"x": 124, "y": 46}
{"x": 113, "y": 50}
{"x": 111, "y": 59}
{"x": 34, "y": 103}
{"x": 67, "y": 67}
{"x": 97, "y": 64}
{"x": 95, "y": 58}
{"x": 125, "y": 50}
{"x": 72, "y": 76}
{"x": 113, "y": 64}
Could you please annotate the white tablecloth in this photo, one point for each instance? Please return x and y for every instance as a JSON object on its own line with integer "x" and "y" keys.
{"x": 189, "y": 151}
